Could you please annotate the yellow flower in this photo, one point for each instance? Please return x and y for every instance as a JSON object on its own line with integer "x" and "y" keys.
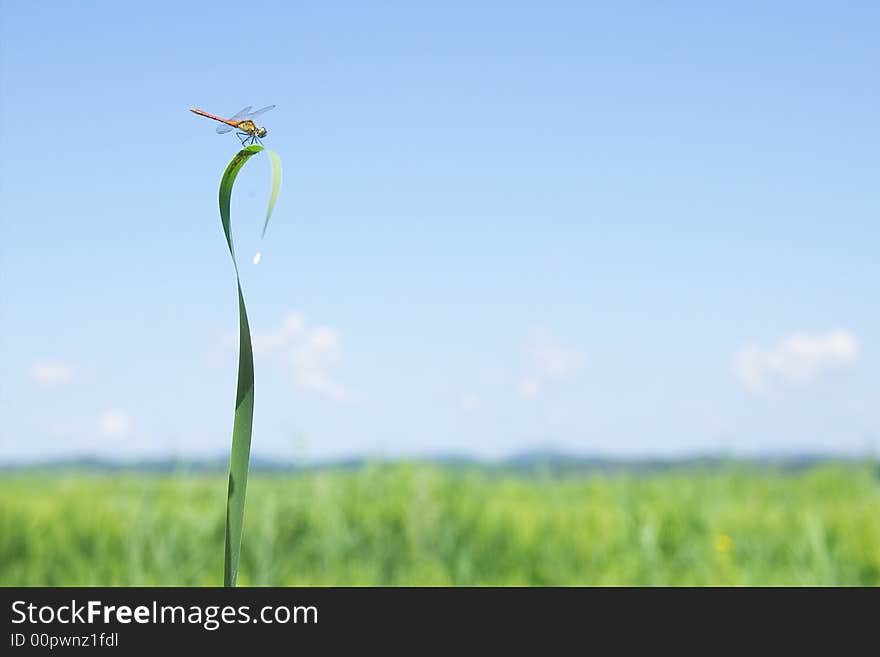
{"x": 723, "y": 543}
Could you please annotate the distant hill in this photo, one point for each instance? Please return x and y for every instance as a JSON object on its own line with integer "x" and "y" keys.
{"x": 530, "y": 463}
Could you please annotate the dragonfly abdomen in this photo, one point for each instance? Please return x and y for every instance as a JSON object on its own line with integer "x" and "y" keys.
{"x": 212, "y": 116}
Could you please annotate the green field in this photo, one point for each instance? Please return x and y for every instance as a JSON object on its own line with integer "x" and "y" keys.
{"x": 429, "y": 525}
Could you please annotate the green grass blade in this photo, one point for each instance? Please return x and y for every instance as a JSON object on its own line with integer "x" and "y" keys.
{"x": 239, "y": 457}
{"x": 242, "y": 426}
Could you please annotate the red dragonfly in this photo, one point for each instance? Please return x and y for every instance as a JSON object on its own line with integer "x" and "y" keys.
{"x": 243, "y": 121}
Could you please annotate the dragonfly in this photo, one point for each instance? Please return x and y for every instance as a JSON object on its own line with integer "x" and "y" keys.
{"x": 243, "y": 122}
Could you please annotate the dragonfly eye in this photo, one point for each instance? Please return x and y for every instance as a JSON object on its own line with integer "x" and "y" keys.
{"x": 263, "y": 132}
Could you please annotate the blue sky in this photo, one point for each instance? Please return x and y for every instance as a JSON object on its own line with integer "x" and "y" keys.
{"x": 618, "y": 228}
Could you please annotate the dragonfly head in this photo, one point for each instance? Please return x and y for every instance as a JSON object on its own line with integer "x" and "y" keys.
{"x": 262, "y": 132}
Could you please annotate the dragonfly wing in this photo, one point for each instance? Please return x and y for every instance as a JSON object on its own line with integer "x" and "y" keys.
{"x": 254, "y": 115}
{"x": 223, "y": 128}
{"x": 238, "y": 116}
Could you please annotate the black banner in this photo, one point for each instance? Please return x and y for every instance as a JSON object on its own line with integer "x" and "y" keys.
{"x": 126, "y": 620}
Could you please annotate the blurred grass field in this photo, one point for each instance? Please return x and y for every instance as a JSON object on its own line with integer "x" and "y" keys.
{"x": 417, "y": 524}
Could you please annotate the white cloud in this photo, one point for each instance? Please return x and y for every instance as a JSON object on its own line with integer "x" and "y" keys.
{"x": 799, "y": 358}
{"x": 114, "y": 423}
{"x": 550, "y": 359}
{"x": 309, "y": 353}
{"x": 470, "y": 402}
{"x": 51, "y": 372}
{"x": 529, "y": 387}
